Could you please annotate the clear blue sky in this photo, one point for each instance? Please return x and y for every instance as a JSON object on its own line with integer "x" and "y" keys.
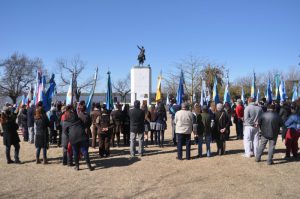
{"x": 242, "y": 34}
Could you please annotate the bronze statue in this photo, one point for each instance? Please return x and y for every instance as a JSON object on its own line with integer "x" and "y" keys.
{"x": 141, "y": 56}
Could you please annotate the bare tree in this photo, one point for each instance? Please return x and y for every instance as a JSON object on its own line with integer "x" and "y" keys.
{"x": 74, "y": 68}
{"x": 17, "y": 73}
{"x": 122, "y": 87}
{"x": 191, "y": 68}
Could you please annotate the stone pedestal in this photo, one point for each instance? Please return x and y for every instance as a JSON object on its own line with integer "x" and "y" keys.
{"x": 141, "y": 84}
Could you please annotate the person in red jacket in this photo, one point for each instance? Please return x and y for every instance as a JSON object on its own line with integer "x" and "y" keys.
{"x": 239, "y": 110}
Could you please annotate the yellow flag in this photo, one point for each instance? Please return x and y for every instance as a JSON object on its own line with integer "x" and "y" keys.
{"x": 158, "y": 91}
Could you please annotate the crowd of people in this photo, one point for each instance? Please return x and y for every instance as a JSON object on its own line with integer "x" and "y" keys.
{"x": 74, "y": 129}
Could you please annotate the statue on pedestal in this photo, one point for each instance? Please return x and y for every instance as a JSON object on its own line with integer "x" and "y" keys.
{"x": 141, "y": 56}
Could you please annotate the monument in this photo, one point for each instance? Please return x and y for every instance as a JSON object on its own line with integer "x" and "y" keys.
{"x": 141, "y": 80}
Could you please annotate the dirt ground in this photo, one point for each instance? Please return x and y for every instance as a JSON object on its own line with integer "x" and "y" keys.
{"x": 156, "y": 175}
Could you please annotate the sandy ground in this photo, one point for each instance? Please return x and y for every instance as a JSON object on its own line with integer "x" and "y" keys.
{"x": 156, "y": 175}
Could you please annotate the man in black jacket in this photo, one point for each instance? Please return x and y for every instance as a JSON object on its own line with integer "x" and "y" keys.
{"x": 137, "y": 117}
{"x": 269, "y": 123}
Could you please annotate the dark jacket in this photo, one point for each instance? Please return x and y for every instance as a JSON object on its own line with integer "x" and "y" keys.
{"x": 10, "y": 134}
{"x": 117, "y": 117}
{"x": 86, "y": 119}
{"x": 270, "y": 124}
{"x": 30, "y": 117}
{"x": 41, "y": 132}
{"x": 73, "y": 128}
{"x": 221, "y": 121}
{"x": 206, "y": 124}
{"x": 137, "y": 117}
{"x": 94, "y": 115}
{"x": 173, "y": 109}
{"x": 105, "y": 122}
{"x": 197, "y": 124}
{"x": 23, "y": 117}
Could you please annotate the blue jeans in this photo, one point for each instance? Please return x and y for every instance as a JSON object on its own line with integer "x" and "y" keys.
{"x": 200, "y": 142}
{"x": 140, "y": 137}
{"x": 180, "y": 139}
{"x": 38, "y": 151}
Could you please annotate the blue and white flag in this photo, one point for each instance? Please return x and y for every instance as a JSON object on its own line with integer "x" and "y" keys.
{"x": 243, "y": 96}
{"x": 203, "y": 97}
{"x": 282, "y": 91}
{"x": 90, "y": 99}
{"x": 227, "y": 93}
{"x": 269, "y": 93}
{"x": 257, "y": 96}
{"x": 180, "y": 90}
{"x": 295, "y": 93}
{"x": 215, "y": 92}
{"x": 69, "y": 97}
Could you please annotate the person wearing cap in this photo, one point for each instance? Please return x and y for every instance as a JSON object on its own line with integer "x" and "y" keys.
{"x": 95, "y": 126}
{"x": 117, "y": 118}
{"x": 205, "y": 132}
{"x": 222, "y": 122}
{"x": 137, "y": 117}
{"x": 239, "y": 111}
{"x": 252, "y": 114}
{"x": 293, "y": 132}
{"x": 269, "y": 123}
{"x": 184, "y": 127}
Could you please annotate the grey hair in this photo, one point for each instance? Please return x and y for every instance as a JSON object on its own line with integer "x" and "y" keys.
{"x": 185, "y": 106}
{"x": 219, "y": 107}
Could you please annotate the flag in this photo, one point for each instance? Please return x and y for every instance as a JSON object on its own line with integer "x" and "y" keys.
{"x": 23, "y": 101}
{"x": 295, "y": 93}
{"x": 180, "y": 90}
{"x": 227, "y": 93}
{"x": 49, "y": 94}
{"x": 299, "y": 89}
{"x": 215, "y": 91}
{"x": 203, "y": 97}
{"x": 243, "y": 96}
{"x": 269, "y": 92}
{"x": 29, "y": 95}
{"x": 90, "y": 99}
{"x": 253, "y": 86}
{"x": 158, "y": 91}
{"x": 109, "y": 99}
{"x": 282, "y": 91}
{"x": 277, "y": 94}
{"x": 38, "y": 81}
{"x": 257, "y": 96}
{"x": 69, "y": 98}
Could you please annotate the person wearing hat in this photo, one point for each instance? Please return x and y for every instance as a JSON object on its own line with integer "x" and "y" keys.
{"x": 117, "y": 118}
{"x": 184, "y": 127}
{"x": 95, "y": 126}
{"x": 137, "y": 117}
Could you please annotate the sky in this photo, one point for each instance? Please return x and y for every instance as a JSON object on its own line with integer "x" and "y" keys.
{"x": 246, "y": 35}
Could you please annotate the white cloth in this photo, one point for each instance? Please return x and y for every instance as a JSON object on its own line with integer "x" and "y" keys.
{"x": 251, "y": 140}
